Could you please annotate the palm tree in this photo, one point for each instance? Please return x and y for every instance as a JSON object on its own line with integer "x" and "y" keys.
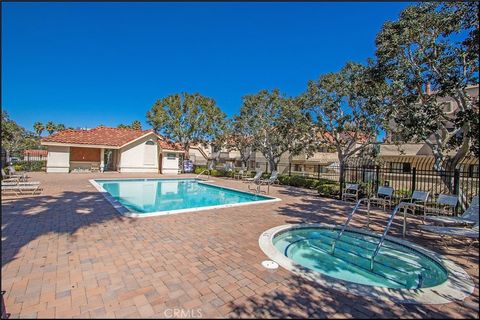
{"x": 51, "y": 127}
{"x": 38, "y": 127}
{"x": 136, "y": 125}
{"x": 60, "y": 127}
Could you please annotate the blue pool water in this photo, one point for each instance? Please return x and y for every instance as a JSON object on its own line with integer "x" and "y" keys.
{"x": 156, "y": 195}
{"x": 396, "y": 266}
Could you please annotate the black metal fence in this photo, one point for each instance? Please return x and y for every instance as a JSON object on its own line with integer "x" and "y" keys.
{"x": 404, "y": 180}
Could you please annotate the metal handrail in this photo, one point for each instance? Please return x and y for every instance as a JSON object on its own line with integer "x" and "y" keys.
{"x": 346, "y": 223}
{"x": 198, "y": 175}
{"x": 382, "y": 239}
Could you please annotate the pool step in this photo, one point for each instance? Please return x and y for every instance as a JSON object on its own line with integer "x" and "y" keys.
{"x": 407, "y": 279}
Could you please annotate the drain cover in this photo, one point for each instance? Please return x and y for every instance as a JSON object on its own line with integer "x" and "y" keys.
{"x": 269, "y": 264}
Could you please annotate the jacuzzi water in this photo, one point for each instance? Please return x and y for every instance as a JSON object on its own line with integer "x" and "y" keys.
{"x": 395, "y": 266}
{"x": 145, "y": 196}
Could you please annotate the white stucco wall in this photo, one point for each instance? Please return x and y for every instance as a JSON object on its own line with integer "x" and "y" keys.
{"x": 58, "y": 159}
{"x": 170, "y": 166}
{"x": 139, "y": 157}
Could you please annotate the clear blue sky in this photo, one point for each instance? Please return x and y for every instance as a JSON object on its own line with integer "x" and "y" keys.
{"x": 84, "y": 64}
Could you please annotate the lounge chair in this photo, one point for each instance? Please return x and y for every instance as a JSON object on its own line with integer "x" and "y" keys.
{"x": 351, "y": 192}
{"x": 16, "y": 176}
{"x": 257, "y": 177}
{"x": 469, "y": 217}
{"x": 240, "y": 175}
{"x": 267, "y": 182}
{"x": 383, "y": 196}
{"x": 418, "y": 200}
{"x": 454, "y": 232}
{"x": 445, "y": 205}
{"x": 19, "y": 190}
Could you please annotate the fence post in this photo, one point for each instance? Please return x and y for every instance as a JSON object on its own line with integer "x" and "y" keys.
{"x": 456, "y": 181}
{"x": 318, "y": 172}
{"x": 290, "y": 169}
{"x": 414, "y": 179}
{"x": 377, "y": 178}
{"x": 341, "y": 178}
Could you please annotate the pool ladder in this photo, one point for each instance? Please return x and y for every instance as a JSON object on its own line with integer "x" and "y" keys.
{"x": 350, "y": 216}
{"x": 382, "y": 239}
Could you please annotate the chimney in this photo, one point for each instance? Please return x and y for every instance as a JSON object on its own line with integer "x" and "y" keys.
{"x": 428, "y": 89}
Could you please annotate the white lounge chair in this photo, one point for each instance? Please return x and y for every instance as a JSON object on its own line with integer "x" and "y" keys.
{"x": 240, "y": 175}
{"x": 6, "y": 176}
{"x": 417, "y": 200}
{"x": 257, "y": 177}
{"x": 272, "y": 180}
{"x": 445, "y": 205}
{"x": 351, "y": 192}
{"x": 454, "y": 232}
{"x": 383, "y": 196}
{"x": 469, "y": 217}
{"x": 19, "y": 190}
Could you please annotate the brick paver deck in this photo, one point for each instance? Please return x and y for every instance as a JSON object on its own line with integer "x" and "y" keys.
{"x": 67, "y": 253}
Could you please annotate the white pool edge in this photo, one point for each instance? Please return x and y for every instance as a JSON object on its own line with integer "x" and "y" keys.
{"x": 457, "y": 287}
{"x": 127, "y": 213}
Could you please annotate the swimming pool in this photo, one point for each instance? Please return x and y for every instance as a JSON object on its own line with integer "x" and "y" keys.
{"x": 402, "y": 271}
{"x": 149, "y": 197}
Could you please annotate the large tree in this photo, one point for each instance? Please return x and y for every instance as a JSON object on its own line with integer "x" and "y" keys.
{"x": 241, "y": 138}
{"x": 15, "y": 138}
{"x": 276, "y": 124}
{"x": 345, "y": 112}
{"x": 428, "y": 55}
{"x": 187, "y": 119}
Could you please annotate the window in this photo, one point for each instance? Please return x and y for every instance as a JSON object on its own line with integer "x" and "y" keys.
{"x": 473, "y": 170}
{"x": 404, "y": 167}
{"x": 171, "y": 156}
{"x": 150, "y": 143}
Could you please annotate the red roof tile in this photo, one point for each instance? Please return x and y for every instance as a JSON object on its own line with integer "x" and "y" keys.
{"x": 168, "y": 145}
{"x": 98, "y": 136}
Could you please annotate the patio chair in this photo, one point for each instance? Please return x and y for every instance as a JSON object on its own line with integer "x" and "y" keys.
{"x": 445, "y": 205}
{"x": 20, "y": 183}
{"x": 267, "y": 182}
{"x": 257, "y": 177}
{"x": 383, "y": 196}
{"x": 239, "y": 175}
{"x": 469, "y": 217}
{"x": 351, "y": 192}
{"x": 418, "y": 200}
{"x": 6, "y": 176}
{"x": 20, "y": 190}
{"x": 455, "y": 232}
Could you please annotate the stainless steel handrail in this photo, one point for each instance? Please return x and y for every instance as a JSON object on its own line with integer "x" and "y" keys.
{"x": 347, "y": 222}
{"x": 382, "y": 239}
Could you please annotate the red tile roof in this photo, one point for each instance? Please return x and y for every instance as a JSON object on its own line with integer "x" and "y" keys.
{"x": 168, "y": 145}
{"x": 98, "y": 136}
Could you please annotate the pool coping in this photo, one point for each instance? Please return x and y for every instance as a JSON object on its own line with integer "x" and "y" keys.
{"x": 127, "y": 213}
{"x": 458, "y": 285}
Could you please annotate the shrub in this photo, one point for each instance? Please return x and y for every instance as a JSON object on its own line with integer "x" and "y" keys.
{"x": 329, "y": 189}
{"x": 30, "y": 165}
{"x": 199, "y": 170}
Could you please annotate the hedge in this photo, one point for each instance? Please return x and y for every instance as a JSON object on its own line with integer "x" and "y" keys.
{"x": 36, "y": 165}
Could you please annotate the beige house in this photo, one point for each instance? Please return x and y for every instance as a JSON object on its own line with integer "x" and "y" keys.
{"x": 111, "y": 149}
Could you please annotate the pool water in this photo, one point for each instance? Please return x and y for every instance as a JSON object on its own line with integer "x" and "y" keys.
{"x": 158, "y": 195}
{"x": 395, "y": 266}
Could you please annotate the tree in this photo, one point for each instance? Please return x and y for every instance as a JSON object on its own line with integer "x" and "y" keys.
{"x": 123, "y": 126}
{"x": 38, "y": 127}
{"x": 275, "y": 123}
{"x": 51, "y": 127}
{"x": 15, "y": 138}
{"x": 241, "y": 138}
{"x": 136, "y": 125}
{"x": 345, "y": 111}
{"x": 434, "y": 44}
{"x": 187, "y": 119}
{"x": 60, "y": 127}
